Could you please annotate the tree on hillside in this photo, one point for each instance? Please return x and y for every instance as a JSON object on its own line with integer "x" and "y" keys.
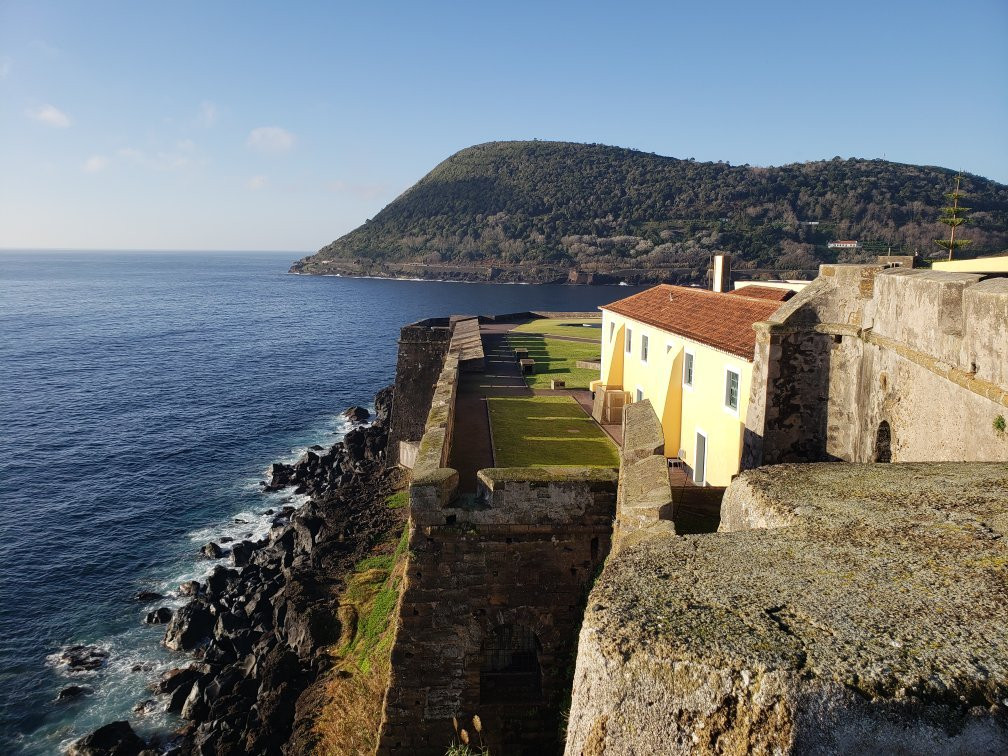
{"x": 953, "y": 216}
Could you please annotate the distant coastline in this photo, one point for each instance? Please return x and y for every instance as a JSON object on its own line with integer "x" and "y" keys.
{"x": 496, "y": 274}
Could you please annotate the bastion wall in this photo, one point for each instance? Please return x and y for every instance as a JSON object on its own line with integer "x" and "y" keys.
{"x": 871, "y": 364}
{"x": 422, "y": 349}
{"x": 494, "y": 592}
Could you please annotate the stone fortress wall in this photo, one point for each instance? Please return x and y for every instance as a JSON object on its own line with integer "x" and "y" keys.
{"x": 494, "y": 590}
{"x": 422, "y": 349}
{"x": 870, "y": 364}
{"x": 840, "y": 607}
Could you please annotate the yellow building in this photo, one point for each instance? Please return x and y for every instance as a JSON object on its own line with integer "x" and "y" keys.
{"x": 690, "y": 352}
{"x": 992, "y": 264}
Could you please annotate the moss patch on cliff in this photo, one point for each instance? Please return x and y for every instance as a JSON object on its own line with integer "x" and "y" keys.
{"x": 356, "y": 685}
{"x": 398, "y": 500}
{"x": 544, "y": 431}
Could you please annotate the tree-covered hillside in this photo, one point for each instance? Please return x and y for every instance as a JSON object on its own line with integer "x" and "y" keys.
{"x": 536, "y": 210}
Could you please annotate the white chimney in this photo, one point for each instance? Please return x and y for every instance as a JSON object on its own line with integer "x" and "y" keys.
{"x": 722, "y": 273}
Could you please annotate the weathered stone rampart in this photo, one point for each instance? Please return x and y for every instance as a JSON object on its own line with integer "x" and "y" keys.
{"x": 840, "y": 609}
{"x": 504, "y": 576}
{"x": 493, "y": 594}
{"x": 467, "y": 342}
{"x": 644, "y": 503}
{"x": 422, "y": 349}
{"x": 868, "y": 364}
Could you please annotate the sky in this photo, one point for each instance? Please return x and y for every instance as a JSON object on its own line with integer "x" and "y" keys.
{"x": 280, "y": 126}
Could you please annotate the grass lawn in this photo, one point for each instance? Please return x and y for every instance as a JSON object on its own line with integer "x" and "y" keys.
{"x": 555, "y": 358}
{"x": 587, "y": 328}
{"x": 547, "y": 431}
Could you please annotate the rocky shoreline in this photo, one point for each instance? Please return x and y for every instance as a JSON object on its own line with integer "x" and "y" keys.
{"x": 257, "y": 626}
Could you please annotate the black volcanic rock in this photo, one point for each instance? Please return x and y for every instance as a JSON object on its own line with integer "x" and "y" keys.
{"x": 259, "y": 627}
{"x": 113, "y": 739}
{"x": 356, "y": 414}
{"x": 72, "y": 692}
{"x": 173, "y": 678}
{"x": 159, "y": 616}
{"x": 241, "y": 552}
{"x": 189, "y": 626}
{"x": 212, "y": 551}
{"x": 82, "y": 658}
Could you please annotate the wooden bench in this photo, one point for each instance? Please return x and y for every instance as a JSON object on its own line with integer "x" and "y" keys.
{"x": 527, "y": 366}
{"x": 557, "y": 384}
{"x": 521, "y": 353}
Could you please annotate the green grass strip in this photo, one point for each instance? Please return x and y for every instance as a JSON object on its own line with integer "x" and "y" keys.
{"x": 555, "y": 359}
{"x": 547, "y": 431}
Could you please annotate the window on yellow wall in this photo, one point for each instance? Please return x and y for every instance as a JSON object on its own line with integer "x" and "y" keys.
{"x": 643, "y": 348}
{"x": 731, "y": 390}
{"x": 640, "y": 395}
{"x": 629, "y": 341}
{"x": 612, "y": 331}
{"x": 687, "y": 369}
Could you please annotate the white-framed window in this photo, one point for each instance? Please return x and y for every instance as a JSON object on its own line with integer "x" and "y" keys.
{"x": 687, "y": 369}
{"x": 629, "y": 341}
{"x": 639, "y": 396}
{"x": 731, "y": 389}
{"x": 643, "y": 348}
{"x": 612, "y": 331}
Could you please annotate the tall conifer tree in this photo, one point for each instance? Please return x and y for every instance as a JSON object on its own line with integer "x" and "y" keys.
{"x": 953, "y": 216}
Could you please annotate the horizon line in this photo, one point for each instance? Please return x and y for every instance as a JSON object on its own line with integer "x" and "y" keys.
{"x": 152, "y": 249}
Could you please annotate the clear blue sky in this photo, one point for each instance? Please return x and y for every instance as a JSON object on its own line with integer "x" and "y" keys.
{"x": 250, "y": 125}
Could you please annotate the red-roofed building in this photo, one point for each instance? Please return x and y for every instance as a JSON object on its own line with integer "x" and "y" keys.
{"x": 690, "y": 352}
{"x": 755, "y": 291}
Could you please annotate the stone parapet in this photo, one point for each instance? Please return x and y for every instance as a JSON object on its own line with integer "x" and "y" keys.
{"x": 840, "y": 609}
{"x": 923, "y": 309}
{"x": 985, "y": 331}
{"x": 466, "y": 341}
{"x": 644, "y": 503}
{"x": 422, "y": 349}
{"x": 642, "y": 432}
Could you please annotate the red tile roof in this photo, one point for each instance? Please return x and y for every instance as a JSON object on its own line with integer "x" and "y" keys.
{"x": 755, "y": 291}
{"x": 722, "y": 321}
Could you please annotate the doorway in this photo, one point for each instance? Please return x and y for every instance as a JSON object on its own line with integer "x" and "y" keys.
{"x": 700, "y": 460}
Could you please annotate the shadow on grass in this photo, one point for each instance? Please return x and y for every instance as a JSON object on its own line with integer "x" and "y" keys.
{"x": 555, "y": 358}
{"x": 545, "y": 431}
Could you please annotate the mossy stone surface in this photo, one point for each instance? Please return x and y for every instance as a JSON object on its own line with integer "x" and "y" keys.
{"x": 841, "y": 607}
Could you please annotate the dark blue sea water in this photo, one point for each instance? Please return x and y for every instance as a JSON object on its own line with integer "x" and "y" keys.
{"x": 142, "y": 396}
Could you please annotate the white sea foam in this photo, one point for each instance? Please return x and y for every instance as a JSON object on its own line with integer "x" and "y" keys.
{"x": 253, "y": 524}
{"x": 136, "y": 657}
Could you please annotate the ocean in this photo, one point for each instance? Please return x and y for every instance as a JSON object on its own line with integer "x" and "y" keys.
{"x": 142, "y": 397}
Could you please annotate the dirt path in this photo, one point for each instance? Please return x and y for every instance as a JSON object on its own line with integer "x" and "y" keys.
{"x": 472, "y": 449}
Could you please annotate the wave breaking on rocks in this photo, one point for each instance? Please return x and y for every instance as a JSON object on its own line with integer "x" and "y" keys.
{"x": 256, "y": 627}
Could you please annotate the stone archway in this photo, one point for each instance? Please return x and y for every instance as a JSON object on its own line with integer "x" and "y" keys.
{"x": 883, "y": 442}
{"x": 510, "y": 670}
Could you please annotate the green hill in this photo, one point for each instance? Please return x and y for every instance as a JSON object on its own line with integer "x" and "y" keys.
{"x": 537, "y": 210}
